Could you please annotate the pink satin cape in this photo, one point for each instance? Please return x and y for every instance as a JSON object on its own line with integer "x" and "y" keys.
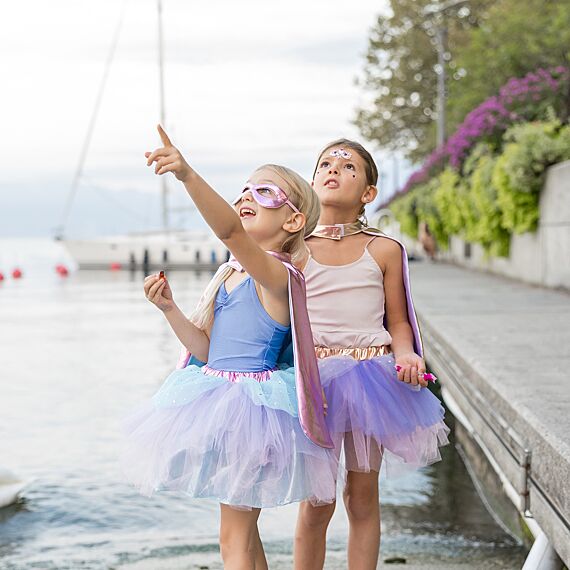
{"x": 412, "y": 317}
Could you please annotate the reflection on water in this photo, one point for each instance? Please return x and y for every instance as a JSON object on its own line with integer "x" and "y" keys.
{"x": 75, "y": 356}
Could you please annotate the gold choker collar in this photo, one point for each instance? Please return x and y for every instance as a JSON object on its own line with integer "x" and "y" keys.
{"x": 338, "y": 231}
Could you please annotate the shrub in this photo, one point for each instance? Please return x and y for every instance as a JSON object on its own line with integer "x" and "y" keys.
{"x": 519, "y": 173}
{"x": 536, "y": 96}
{"x": 488, "y": 230}
{"x": 495, "y": 196}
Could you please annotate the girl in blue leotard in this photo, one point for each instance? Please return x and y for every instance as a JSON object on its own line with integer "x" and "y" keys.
{"x": 246, "y": 428}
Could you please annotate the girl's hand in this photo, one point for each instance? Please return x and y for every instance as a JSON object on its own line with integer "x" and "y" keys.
{"x": 158, "y": 291}
{"x": 168, "y": 158}
{"x": 411, "y": 368}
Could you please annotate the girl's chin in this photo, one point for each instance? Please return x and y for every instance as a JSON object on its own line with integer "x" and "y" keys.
{"x": 331, "y": 193}
{"x": 333, "y": 201}
{"x": 251, "y": 230}
{"x": 260, "y": 235}
{"x": 249, "y": 223}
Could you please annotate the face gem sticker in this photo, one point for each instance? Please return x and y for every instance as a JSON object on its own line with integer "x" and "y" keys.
{"x": 341, "y": 153}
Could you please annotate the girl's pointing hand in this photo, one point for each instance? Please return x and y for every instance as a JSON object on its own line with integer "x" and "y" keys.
{"x": 168, "y": 158}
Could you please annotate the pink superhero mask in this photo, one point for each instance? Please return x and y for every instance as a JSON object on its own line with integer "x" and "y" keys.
{"x": 267, "y": 196}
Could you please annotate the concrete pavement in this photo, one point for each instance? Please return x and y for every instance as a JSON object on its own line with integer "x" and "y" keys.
{"x": 502, "y": 352}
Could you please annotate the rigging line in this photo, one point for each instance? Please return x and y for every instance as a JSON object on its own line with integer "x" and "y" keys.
{"x": 163, "y": 181}
{"x": 91, "y": 127}
{"x": 108, "y": 194}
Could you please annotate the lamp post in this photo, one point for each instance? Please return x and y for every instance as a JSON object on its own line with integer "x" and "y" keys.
{"x": 441, "y": 41}
{"x": 438, "y": 12}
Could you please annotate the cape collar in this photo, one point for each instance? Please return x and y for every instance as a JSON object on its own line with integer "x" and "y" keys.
{"x": 338, "y": 231}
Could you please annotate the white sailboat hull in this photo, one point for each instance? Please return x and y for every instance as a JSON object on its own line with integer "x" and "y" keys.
{"x": 174, "y": 250}
{"x": 9, "y": 493}
{"x": 10, "y": 487}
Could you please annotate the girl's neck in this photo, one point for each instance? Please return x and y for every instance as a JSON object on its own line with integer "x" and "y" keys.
{"x": 270, "y": 245}
{"x": 333, "y": 216}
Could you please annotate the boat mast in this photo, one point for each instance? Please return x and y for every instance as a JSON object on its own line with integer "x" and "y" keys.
{"x": 60, "y": 228}
{"x": 163, "y": 179}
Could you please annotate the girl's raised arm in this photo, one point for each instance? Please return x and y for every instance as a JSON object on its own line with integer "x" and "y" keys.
{"x": 221, "y": 217}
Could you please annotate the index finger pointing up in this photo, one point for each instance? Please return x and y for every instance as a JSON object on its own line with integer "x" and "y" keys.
{"x": 163, "y": 136}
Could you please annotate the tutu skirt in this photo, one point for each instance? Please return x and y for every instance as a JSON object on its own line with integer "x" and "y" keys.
{"x": 378, "y": 417}
{"x": 233, "y": 437}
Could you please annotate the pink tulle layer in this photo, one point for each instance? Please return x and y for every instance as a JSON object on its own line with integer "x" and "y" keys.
{"x": 371, "y": 410}
{"x": 239, "y": 443}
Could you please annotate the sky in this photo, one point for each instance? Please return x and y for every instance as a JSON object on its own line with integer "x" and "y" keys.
{"x": 246, "y": 83}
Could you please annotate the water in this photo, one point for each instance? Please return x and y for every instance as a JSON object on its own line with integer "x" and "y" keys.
{"x": 76, "y": 355}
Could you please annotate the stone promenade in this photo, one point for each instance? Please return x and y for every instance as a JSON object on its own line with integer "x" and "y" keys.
{"x": 502, "y": 352}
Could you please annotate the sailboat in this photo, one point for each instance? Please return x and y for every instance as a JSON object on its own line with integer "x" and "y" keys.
{"x": 165, "y": 249}
{"x": 10, "y": 487}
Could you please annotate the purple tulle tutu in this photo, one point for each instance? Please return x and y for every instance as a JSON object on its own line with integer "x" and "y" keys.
{"x": 379, "y": 417}
{"x": 237, "y": 440}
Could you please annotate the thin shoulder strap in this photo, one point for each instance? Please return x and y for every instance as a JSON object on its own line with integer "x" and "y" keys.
{"x": 369, "y": 242}
{"x": 308, "y": 258}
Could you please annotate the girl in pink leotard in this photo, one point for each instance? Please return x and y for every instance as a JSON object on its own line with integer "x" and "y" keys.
{"x": 370, "y": 354}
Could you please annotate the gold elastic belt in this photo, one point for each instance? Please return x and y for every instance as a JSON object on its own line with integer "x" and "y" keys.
{"x": 357, "y": 353}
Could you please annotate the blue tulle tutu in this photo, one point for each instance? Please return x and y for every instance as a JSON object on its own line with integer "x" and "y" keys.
{"x": 377, "y": 417}
{"x": 236, "y": 440}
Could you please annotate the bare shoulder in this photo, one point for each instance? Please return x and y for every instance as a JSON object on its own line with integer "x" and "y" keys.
{"x": 316, "y": 245}
{"x": 386, "y": 252}
{"x": 303, "y": 257}
{"x": 310, "y": 242}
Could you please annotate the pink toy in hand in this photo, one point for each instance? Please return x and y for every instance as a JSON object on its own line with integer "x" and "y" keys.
{"x": 426, "y": 376}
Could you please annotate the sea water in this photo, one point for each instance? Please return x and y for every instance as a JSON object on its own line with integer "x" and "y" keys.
{"x": 77, "y": 353}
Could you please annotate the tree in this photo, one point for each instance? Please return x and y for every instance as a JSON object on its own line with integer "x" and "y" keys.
{"x": 401, "y": 72}
{"x": 515, "y": 37}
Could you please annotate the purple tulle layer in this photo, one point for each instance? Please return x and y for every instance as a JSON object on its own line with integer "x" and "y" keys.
{"x": 370, "y": 409}
{"x": 224, "y": 444}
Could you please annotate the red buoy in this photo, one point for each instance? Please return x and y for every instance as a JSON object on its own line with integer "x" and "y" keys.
{"x": 17, "y": 273}
{"x": 62, "y": 270}
{"x": 115, "y": 266}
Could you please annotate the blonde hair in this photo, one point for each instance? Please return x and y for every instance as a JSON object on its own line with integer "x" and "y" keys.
{"x": 304, "y": 198}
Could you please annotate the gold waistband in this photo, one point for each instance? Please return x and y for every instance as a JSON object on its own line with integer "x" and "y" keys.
{"x": 357, "y": 353}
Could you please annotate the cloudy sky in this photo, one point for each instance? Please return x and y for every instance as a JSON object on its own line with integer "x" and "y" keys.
{"x": 246, "y": 83}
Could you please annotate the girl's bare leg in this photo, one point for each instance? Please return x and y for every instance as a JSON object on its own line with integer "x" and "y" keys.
{"x": 260, "y": 560}
{"x": 310, "y": 535}
{"x": 239, "y": 539}
{"x": 361, "y": 498}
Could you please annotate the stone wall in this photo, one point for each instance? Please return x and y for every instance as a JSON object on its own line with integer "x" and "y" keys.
{"x": 540, "y": 258}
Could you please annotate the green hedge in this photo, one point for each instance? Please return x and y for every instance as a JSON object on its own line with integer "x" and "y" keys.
{"x": 495, "y": 195}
